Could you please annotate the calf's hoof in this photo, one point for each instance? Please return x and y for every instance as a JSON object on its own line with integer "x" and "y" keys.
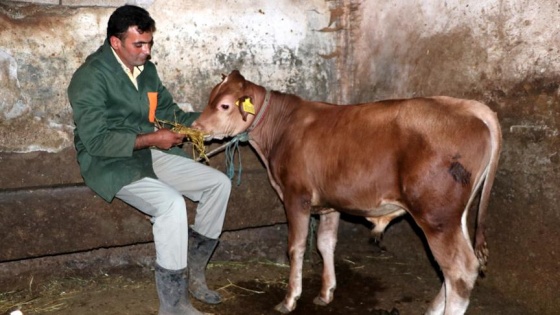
{"x": 319, "y": 301}
{"x": 283, "y": 308}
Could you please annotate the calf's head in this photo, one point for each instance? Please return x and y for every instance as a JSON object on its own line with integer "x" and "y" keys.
{"x": 230, "y": 108}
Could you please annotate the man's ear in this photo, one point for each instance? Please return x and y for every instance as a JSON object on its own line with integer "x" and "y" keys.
{"x": 115, "y": 42}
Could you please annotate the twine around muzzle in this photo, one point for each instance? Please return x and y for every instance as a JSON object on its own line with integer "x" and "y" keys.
{"x": 231, "y": 147}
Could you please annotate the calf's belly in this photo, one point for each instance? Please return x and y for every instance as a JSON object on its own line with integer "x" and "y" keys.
{"x": 385, "y": 209}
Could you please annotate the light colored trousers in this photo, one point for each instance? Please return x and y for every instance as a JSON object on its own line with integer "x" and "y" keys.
{"x": 163, "y": 200}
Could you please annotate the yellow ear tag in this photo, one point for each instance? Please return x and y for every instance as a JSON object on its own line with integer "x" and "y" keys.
{"x": 248, "y": 107}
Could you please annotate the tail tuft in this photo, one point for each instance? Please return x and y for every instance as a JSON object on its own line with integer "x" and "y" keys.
{"x": 481, "y": 252}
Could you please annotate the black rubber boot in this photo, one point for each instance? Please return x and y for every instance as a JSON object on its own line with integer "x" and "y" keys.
{"x": 200, "y": 251}
{"x": 171, "y": 287}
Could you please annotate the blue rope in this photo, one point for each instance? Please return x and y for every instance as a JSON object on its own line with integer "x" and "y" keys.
{"x": 233, "y": 146}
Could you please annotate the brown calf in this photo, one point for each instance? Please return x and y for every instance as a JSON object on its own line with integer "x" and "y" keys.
{"x": 429, "y": 157}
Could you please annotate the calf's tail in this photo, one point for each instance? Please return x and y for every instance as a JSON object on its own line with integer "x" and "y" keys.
{"x": 480, "y": 245}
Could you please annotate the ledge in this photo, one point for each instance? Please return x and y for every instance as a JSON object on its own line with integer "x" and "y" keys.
{"x": 65, "y": 219}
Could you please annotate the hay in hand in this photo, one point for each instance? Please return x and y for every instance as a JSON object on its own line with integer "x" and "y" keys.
{"x": 196, "y": 137}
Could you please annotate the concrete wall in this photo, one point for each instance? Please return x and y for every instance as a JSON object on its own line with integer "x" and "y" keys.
{"x": 504, "y": 53}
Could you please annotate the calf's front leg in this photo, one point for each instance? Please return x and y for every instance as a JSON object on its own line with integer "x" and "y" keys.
{"x": 298, "y": 226}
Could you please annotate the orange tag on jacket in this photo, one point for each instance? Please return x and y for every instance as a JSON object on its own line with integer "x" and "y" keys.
{"x": 152, "y": 98}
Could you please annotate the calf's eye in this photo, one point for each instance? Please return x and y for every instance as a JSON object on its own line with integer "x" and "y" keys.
{"x": 225, "y": 106}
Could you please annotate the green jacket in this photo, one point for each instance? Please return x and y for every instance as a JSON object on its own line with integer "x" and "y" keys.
{"x": 108, "y": 113}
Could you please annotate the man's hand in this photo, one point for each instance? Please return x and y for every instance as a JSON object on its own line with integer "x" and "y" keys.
{"x": 162, "y": 139}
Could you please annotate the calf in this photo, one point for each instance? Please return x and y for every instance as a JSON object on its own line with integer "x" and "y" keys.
{"x": 429, "y": 157}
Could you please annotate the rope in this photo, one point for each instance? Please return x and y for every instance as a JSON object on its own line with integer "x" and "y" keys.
{"x": 231, "y": 147}
{"x": 261, "y": 112}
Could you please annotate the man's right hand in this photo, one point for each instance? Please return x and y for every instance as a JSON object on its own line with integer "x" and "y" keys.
{"x": 162, "y": 139}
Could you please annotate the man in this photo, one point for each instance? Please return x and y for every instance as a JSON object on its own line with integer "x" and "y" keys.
{"x": 114, "y": 95}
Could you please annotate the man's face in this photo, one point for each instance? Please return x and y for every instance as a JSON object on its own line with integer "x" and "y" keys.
{"x": 134, "y": 50}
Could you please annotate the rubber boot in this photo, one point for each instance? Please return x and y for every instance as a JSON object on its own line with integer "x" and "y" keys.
{"x": 171, "y": 287}
{"x": 200, "y": 251}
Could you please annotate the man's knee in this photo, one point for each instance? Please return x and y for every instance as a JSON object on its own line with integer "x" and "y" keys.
{"x": 223, "y": 182}
{"x": 174, "y": 205}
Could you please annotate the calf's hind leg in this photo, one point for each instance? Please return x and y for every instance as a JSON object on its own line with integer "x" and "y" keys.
{"x": 459, "y": 265}
{"x": 326, "y": 243}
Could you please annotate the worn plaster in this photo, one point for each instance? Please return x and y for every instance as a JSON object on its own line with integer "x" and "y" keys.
{"x": 273, "y": 43}
{"x": 13, "y": 103}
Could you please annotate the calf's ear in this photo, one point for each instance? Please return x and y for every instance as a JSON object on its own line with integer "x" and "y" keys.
{"x": 246, "y": 107}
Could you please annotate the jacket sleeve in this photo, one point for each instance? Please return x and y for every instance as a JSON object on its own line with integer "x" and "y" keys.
{"x": 88, "y": 96}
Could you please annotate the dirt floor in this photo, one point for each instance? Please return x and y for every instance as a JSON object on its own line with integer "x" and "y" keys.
{"x": 370, "y": 281}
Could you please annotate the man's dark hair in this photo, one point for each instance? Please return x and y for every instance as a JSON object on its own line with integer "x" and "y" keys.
{"x": 125, "y": 17}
